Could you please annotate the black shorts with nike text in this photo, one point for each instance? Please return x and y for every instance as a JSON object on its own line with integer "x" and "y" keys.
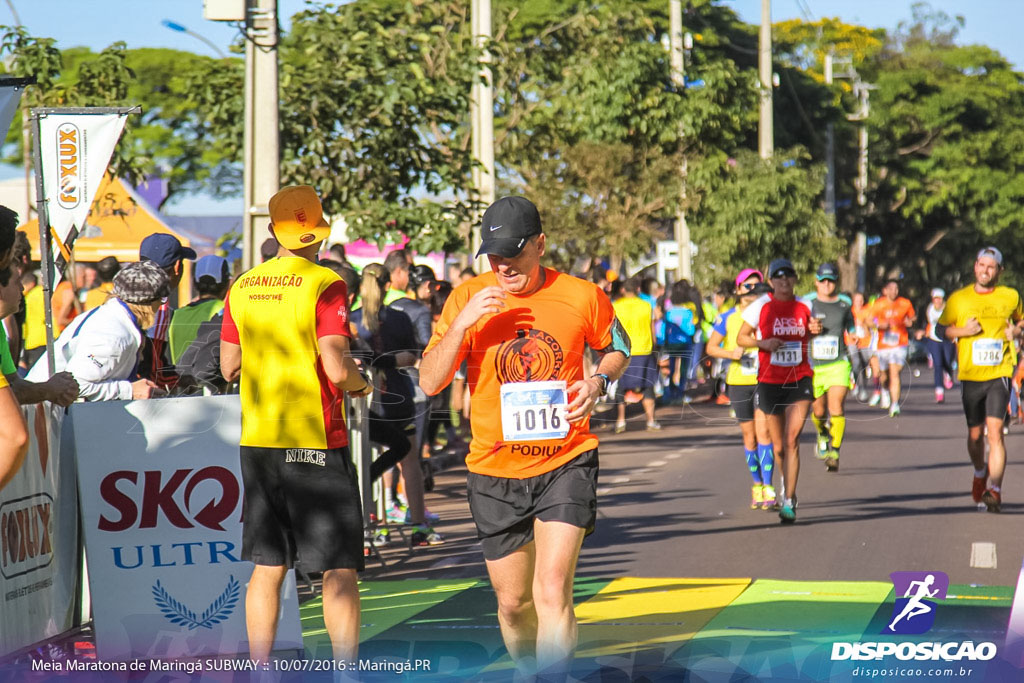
{"x": 301, "y": 504}
{"x": 773, "y": 399}
{"x": 504, "y": 509}
{"x": 990, "y": 398}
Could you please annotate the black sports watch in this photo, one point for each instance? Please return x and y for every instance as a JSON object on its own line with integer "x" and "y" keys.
{"x": 605, "y": 382}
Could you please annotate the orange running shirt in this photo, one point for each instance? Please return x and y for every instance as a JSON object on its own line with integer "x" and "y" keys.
{"x": 535, "y": 338}
{"x": 894, "y": 313}
{"x": 276, "y": 312}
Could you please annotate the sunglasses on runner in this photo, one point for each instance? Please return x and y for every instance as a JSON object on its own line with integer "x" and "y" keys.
{"x": 749, "y": 285}
{"x": 783, "y": 272}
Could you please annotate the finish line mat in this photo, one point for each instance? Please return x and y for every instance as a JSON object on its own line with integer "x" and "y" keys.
{"x": 658, "y": 628}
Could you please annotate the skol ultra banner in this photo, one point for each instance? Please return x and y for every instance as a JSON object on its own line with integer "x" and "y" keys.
{"x": 161, "y": 493}
{"x": 38, "y": 538}
{"x": 75, "y": 150}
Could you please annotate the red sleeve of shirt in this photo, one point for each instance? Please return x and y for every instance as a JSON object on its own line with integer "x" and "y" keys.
{"x": 228, "y": 329}
{"x": 332, "y": 311}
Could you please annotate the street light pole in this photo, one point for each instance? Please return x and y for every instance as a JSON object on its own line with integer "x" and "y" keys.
{"x": 261, "y": 174}
{"x": 684, "y": 269}
{"x": 174, "y": 26}
{"x": 765, "y": 137}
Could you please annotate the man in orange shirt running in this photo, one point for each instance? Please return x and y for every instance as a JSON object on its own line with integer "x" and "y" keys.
{"x": 533, "y": 461}
{"x": 892, "y": 315}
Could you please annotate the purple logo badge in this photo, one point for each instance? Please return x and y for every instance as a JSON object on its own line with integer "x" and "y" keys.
{"x": 916, "y": 593}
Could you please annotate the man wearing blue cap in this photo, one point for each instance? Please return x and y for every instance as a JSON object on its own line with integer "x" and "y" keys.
{"x": 167, "y": 252}
{"x": 212, "y": 278}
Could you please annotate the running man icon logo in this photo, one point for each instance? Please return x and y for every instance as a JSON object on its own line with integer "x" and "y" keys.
{"x": 914, "y": 613}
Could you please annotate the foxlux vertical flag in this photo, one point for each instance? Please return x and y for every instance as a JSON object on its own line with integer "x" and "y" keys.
{"x": 76, "y": 149}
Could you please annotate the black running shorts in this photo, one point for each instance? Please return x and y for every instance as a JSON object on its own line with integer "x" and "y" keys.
{"x": 301, "y": 504}
{"x": 990, "y": 398}
{"x": 504, "y": 509}
{"x": 741, "y": 399}
{"x": 773, "y": 399}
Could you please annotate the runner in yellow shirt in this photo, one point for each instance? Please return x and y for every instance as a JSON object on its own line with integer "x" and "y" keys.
{"x": 637, "y": 317}
{"x": 741, "y": 382}
{"x": 985, "y": 318}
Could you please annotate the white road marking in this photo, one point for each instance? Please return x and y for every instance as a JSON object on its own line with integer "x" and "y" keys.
{"x": 673, "y": 456}
{"x": 656, "y": 463}
{"x": 983, "y": 555}
{"x": 620, "y": 480}
{"x": 603, "y": 492}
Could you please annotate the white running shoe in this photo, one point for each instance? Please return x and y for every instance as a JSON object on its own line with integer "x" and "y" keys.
{"x": 886, "y": 401}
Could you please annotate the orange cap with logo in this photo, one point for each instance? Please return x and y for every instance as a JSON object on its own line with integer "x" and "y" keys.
{"x": 298, "y": 217}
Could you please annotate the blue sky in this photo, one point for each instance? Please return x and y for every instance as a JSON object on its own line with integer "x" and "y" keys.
{"x": 992, "y": 22}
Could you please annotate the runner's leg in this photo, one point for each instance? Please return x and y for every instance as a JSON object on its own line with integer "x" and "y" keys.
{"x": 512, "y": 580}
{"x": 996, "y": 451}
{"x": 557, "y": 549}
{"x": 796, "y": 415}
{"x": 837, "y": 412}
{"x": 894, "y": 383}
{"x": 976, "y": 445}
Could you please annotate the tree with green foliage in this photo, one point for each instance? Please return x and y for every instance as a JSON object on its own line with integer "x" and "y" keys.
{"x": 947, "y": 150}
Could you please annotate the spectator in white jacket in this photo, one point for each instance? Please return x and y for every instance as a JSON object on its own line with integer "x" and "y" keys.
{"x": 101, "y": 348}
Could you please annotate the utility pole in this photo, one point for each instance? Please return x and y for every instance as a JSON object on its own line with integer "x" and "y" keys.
{"x": 262, "y": 165}
{"x": 830, "y": 150}
{"x": 481, "y": 114}
{"x": 863, "y": 92}
{"x": 682, "y": 230}
{"x": 765, "y": 137}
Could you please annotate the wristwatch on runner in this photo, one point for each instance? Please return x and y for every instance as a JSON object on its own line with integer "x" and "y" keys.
{"x": 605, "y": 381}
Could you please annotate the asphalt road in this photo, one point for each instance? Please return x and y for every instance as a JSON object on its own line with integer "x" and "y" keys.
{"x": 675, "y": 503}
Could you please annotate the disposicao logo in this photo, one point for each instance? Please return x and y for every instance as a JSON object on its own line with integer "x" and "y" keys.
{"x": 914, "y": 613}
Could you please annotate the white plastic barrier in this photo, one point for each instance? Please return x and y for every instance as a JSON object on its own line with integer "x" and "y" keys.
{"x": 39, "y": 538}
{"x": 161, "y": 506}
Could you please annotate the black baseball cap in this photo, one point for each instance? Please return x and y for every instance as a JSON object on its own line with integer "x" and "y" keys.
{"x": 826, "y": 271}
{"x": 506, "y": 225}
{"x": 778, "y": 267}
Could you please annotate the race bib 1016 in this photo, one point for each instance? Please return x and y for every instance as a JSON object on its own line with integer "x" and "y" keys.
{"x": 534, "y": 411}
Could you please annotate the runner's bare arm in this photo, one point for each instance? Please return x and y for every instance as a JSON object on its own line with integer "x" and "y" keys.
{"x": 745, "y": 338}
{"x": 714, "y": 349}
{"x": 969, "y": 329}
{"x": 340, "y": 367}
{"x": 585, "y": 392}
{"x": 230, "y": 360}
{"x": 13, "y": 437}
{"x": 438, "y": 364}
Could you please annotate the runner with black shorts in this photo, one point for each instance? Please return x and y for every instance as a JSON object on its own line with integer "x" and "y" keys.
{"x": 533, "y": 460}
{"x": 286, "y": 336}
{"x": 985, "y": 319}
{"x": 741, "y": 382}
{"x": 784, "y": 325}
